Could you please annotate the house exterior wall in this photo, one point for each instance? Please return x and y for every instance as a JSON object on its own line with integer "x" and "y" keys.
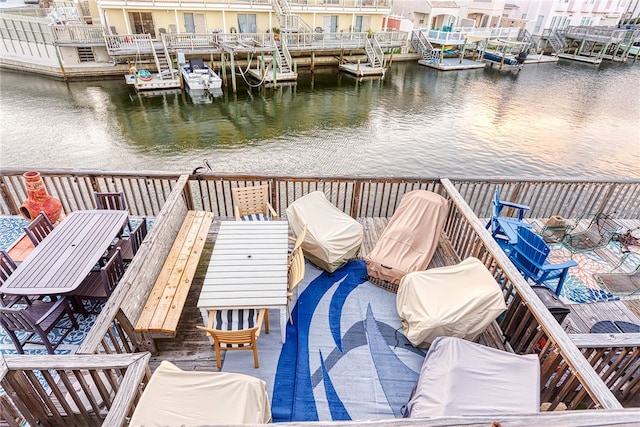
{"x": 543, "y": 14}
{"x": 223, "y": 17}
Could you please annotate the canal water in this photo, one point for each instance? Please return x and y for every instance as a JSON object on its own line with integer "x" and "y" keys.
{"x": 552, "y": 120}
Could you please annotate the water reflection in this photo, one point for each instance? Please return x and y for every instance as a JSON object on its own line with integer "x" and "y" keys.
{"x": 556, "y": 120}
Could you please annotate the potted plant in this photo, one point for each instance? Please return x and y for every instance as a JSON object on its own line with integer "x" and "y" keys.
{"x": 276, "y": 33}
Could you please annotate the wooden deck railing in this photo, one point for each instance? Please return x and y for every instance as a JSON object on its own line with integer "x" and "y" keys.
{"x": 146, "y": 192}
{"x": 528, "y": 326}
{"x": 65, "y": 390}
{"x": 615, "y": 357}
{"x": 568, "y": 374}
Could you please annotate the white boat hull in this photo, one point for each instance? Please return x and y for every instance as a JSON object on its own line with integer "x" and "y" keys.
{"x": 201, "y": 79}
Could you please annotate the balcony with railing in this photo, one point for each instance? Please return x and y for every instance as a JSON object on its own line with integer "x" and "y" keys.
{"x": 581, "y": 372}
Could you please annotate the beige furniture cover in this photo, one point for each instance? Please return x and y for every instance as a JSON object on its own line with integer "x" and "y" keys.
{"x": 460, "y": 378}
{"x": 175, "y": 397}
{"x": 458, "y": 301}
{"x": 333, "y": 237}
{"x": 411, "y": 237}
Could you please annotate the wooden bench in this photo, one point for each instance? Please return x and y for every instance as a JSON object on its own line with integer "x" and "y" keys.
{"x": 164, "y": 306}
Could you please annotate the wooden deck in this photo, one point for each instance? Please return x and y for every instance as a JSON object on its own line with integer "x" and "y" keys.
{"x": 192, "y": 350}
{"x": 583, "y": 316}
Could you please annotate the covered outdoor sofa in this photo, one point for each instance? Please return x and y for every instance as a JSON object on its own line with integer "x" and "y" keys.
{"x": 460, "y": 377}
{"x": 175, "y": 397}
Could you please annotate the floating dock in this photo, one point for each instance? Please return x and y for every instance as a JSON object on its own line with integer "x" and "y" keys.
{"x": 451, "y": 64}
{"x": 361, "y": 70}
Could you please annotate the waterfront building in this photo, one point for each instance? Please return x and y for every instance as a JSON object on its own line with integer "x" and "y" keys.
{"x": 559, "y": 15}
{"x": 445, "y": 14}
{"x": 234, "y": 16}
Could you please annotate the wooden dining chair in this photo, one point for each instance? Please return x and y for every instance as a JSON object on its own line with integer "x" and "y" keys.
{"x": 297, "y": 242}
{"x": 114, "y": 202}
{"x": 38, "y": 229}
{"x": 7, "y": 267}
{"x": 110, "y": 201}
{"x": 99, "y": 285}
{"x": 252, "y": 203}
{"x": 36, "y": 321}
{"x": 236, "y": 329}
{"x": 129, "y": 245}
{"x": 295, "y": 275}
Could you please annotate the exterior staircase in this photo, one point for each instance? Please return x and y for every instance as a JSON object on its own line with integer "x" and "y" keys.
{"x": 375, "y": 55}
{"x": 533, "y": 42}
{"x": 555, "y": 40}
{"x": 162, "y": 60}
{"x": 282, "y": 58}
{"x": 289, "y": 22}
{"x": 422, "y": 45}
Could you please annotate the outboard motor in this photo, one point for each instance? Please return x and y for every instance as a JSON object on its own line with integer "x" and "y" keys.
{"x": 521, "y": 57}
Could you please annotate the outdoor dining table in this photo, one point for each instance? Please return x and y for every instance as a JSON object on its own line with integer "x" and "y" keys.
{"x": 248, "y": 269}
{"x": 60, "y": 263}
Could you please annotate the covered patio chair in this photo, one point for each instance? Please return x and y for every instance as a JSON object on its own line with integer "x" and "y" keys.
{"x": 598, "y": 234}
{"x": 38, "y": 229}
{"x": 174, "y": 397}
{"x": 529, "y": 255}
{"x": 409, "y": 240}
{"x": 332, "y": 237}
{"x": 32, "y": 324}
{"x": 252, "y": 203}
{"x": 236, "y": 329}
{"x": 459, "y": 300}
{"x": 504, "y": 227}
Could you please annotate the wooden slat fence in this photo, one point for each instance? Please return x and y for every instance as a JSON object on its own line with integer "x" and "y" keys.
{"x": 145, "y": 193}
{"x": 361, "y": 197}
{"x": 570, "y": 199}
{"x": 616, "y": 358}
{"x": 69, "y": 390}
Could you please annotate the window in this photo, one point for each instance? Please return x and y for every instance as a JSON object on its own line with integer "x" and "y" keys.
{"x": 189, "y": 23}
{"x": 539, "y": 23}
{"x": 141, "y": 23}
{"x": 362, "y": 24}
{"x": 247, "y": 23}
{"x": 330, "y": 24}
{"x": 524, "y": 16}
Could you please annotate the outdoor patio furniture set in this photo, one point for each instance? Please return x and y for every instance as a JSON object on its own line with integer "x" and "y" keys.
{"x": 529, "y": 250}
{"x": 80, "y": 259}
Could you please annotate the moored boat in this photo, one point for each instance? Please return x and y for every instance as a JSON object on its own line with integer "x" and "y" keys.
{"x": 198, "y": 76}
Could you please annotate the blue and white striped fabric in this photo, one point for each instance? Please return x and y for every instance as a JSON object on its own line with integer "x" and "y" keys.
{"x": 255, "y": 217}
{"x": 235, "y": 320}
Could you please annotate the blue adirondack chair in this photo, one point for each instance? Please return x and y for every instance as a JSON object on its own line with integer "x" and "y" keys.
{"x": 505, "y": 228}
{"x": 530, "y": 254}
